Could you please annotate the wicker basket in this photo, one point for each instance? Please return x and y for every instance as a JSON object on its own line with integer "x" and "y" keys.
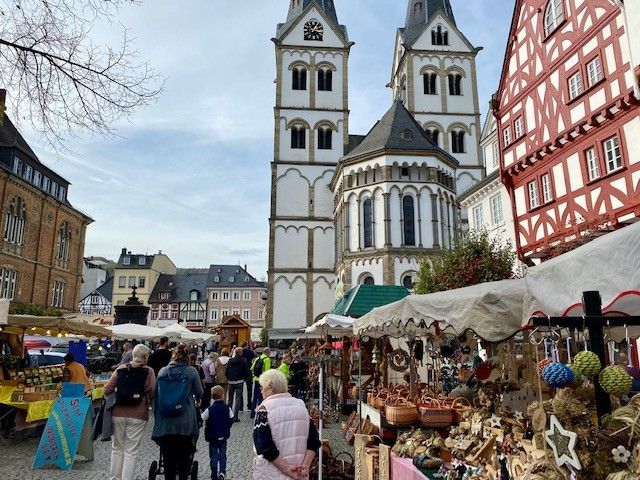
{"x": 433, "y": 414}
{"x": 459, "y": 406}
{"x": 401, "y": 412}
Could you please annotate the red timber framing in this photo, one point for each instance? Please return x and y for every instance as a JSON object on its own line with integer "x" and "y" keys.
{"x": 569, "y": 91}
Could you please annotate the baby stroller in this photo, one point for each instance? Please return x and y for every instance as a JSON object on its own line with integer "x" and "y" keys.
{"x": 157, "y": 468}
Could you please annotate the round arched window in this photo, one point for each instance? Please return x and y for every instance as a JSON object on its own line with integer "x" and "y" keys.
{"x": 407, "y": 281}
{"x": 368, "y": 280}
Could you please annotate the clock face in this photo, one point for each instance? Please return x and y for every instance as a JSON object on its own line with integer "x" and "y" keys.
{"x": 313, "y": 30}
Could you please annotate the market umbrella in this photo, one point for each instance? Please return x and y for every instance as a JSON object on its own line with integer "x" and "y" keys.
{"x": 609, "y": 264}
{"x": 332, "y": 324}
{"x": 52, "y": 326}
{"x": 187, "y": 335}
{"x": 134, "y": 331}
{"x": 492, "y": 310}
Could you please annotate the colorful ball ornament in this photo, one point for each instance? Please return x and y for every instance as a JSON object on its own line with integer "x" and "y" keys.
{"x": 578, "y": 378}
{"x": 557, "y": 375}
{"x": 587, "y": 363}
{"x": 615, "y": 380}
{"x": 543, "y": 363}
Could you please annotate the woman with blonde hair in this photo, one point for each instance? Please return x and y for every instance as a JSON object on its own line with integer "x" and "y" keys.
{"x": 285, "y": 439}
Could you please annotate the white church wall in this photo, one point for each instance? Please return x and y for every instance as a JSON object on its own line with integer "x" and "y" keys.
{"x": 291, "y": 247}
{"x": 423, "y": 102}
{"x": 335, "y": 152}
{"x": 394, "y": 210}
{"x": 379, "y": 218}
{"x": 373, "y": 267}
{"x": 467, "y": 178}
{"x": 403, "y": 266}
{"x": 426, "y": 226}
{"x": 354, "y": 234}
{"x": 292, "y": 185}
{"x": 289, "y": 305}
{"x": 323, "y": 294}
{"x": 324, "y": 247}
{"x": 333, "y": 98}
{"x": 322, "y": 195}
{"x": 289, "y": 96}
{"x": 455, "y": 41}
{"x": 464, "y": 102}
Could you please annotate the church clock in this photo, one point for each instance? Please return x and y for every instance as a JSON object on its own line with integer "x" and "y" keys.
{"x": 313, "y": 30}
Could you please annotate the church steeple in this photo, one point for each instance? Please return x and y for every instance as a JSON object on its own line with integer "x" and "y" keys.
{"x": 420, "y": 13}
{"x": 298, "y": 6}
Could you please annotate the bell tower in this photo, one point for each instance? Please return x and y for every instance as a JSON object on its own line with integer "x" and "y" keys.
{"x": 311, "y": 131}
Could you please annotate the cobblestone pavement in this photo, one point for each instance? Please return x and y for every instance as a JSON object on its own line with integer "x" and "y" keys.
{"x": 16, "y": 458}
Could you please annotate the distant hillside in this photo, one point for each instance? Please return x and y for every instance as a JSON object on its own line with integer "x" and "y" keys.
{"x": 109, "y": 266}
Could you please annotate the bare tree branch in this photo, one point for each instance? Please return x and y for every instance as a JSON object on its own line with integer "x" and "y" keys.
{"x": 58, "y": 78}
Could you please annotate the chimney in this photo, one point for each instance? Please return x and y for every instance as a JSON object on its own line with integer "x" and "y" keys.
{"x": 159, "y": 252}
{"x": 3, "y": 108}
{"x": 124, "y": 251}
{"x": 245, "y": 267}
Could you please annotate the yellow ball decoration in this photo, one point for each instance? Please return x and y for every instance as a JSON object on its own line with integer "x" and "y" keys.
{"x": 587, "y": 363}
{"x": 615, "y": 380}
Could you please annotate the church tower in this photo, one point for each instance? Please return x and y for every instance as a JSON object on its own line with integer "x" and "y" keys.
{"x": 311, "y": 131}
{"x": 434, "y": 75}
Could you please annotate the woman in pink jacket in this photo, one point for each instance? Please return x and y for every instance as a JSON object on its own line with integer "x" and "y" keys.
{"x": 285, "y": 439}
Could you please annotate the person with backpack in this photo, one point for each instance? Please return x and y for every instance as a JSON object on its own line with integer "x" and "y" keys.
{"x": 248, "y": 355}
{"x": 261, "y": 364}
{"x": 217, "y": 420}
{"x": 177, "y": 397}
{"x": 133, "y": 385}
{"x": 237, "y": 372}
{"x": 221, "y": 370}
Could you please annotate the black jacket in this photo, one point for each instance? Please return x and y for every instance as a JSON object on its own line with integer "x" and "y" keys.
{"x": 237, "y": 369}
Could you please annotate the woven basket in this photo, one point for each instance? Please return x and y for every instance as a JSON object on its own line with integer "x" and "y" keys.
{"x": 459, "y": 406}
{"x": 433, "y": 414}
{"x": 380, "y": 400}
{"x": 401, "y": 412}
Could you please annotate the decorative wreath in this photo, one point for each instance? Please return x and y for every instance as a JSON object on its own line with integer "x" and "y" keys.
{"x": 399, "y": 360}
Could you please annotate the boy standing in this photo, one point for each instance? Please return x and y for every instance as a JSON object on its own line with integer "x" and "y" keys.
{"x": 217, "y": 420}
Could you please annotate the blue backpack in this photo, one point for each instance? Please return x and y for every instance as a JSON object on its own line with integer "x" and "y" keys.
{"x": 174, "y": 392}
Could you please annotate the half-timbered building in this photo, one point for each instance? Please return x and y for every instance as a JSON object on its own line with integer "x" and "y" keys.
{"x": 567, "y": 116}
{"x": 181, "y": 297}
{"x": 98, "y": 302}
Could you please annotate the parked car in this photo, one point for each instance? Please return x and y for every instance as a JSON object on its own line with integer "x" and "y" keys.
{"x": 40, "y": 358}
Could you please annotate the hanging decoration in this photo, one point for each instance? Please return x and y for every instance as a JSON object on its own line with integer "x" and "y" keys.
{"x": 543, "y": 363}
{"x": 615, "y": 380}
{"x": 557, "y": 375}
{"x": 620, "y": 454}
{"x": 399, "y": 360}
{"x": 587, "y": 363}
{"x": 563, "y": 444}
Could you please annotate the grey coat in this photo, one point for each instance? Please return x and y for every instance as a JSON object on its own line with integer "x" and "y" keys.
{"x": 187, "y": 423}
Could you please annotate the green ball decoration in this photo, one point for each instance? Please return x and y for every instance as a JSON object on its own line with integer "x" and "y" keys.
{"x": 587, "y": 364}
{"x": 615, "y": 380}
{"x": 578, "y": 378}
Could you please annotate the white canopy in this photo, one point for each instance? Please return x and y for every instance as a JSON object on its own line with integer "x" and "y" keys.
{"x": 492, "y": 310}
{"x": 185, "y": 334}
{"x": 332, "y": 324}
{"x": 134, "y": 331}
{"x": 609, "y": 264}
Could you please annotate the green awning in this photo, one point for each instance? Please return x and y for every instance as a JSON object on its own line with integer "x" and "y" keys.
{"x": 362, "y": 299}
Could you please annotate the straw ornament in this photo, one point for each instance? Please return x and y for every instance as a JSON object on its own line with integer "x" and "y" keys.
{"x": 587, "y": 363}
{"x": 557, "y": 375}
{"x": 615, "y": 380}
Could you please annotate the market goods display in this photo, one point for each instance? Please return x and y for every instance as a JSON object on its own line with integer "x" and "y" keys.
{"x": 587, "y": 363}
{"x": 557, "y": 375}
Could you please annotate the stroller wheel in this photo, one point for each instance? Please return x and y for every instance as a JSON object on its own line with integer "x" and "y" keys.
{"x": 153, "y": 470}
{"x": 194, "y": 470}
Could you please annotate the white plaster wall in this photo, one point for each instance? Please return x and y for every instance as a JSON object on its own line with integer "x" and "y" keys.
{"x": 312, "y": 118}
{"x": 353, "y": 225}
{"x": 290, "y": 247}
{"x": 296, "y": 36}
{"x": 467, "y": 178}
{"x": 422, "y": 102}
{"x": 322, "y": 195}
{"x": 289, "y": 302}
{"x": 461, "y": 103}
{"x": 324, "y": 248}
{"x": 323, "y": 294}
{"x": 394, "y": 207}
{"x": 379, "y": 219}
{"x": 374, "y": 268}
{"x": 333, "y": 154}
{"x": 427, "y": 217}
{"x": 292, "y": 194}
{"x": 632, "y": 138}
{"x": 456, "y": 43}
{"x": 402, "y": 266}
{"x": 633, "y": 31}
{"x": 289, "y": 96}
{"x": 332, "y": 99}
{"x": 470, "y": 156}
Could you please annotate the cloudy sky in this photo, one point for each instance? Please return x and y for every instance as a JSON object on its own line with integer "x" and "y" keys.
{"x": 189, "y": 175}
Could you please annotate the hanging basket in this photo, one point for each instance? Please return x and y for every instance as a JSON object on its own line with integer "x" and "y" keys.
{"x": 434, "y": 414}
{"x": 401, "y": 412}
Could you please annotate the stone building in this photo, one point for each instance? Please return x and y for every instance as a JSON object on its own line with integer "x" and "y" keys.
{"x": 43, "y": 235}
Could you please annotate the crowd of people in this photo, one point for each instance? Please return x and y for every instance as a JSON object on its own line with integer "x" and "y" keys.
{"x": 185, "y": 395}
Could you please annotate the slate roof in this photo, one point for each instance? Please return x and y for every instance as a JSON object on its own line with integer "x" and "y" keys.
{"x": 224, "y": 273}
{"x": 416, "y": 21}
{"x": 354, "y": 141}
{"x": 10, "y": 137}
{"x": 362, "y": 299}
{"x": 134, "y": 261}
{"x": 295, "y": 11}
{"x": 106, "y": 289}
{"x": 180, "y": 286}
{"x": 396, "y": 130}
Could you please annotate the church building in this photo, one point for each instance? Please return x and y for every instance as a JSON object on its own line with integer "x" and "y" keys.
{"x": 352, "y": 209}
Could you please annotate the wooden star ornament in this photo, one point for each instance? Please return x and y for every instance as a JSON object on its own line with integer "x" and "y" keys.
{"x": 519, "y": 415}
{"x": 494, "y": 421}
{"x": 563, "y": 444}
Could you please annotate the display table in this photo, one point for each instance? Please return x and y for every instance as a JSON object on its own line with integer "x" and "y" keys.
{"x": 29, "y": 412}
{"x": 403, "y": 469}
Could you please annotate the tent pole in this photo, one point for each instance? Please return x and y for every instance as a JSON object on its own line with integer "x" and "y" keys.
{"x": 359, "y": 384}
{"x": 321, "y": 417}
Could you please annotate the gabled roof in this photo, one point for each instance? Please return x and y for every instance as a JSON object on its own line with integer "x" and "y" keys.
{"x": 362, "y": 299}
{"x": 106, "y": 289}
{"x": 180, "y": 286}
{"x": 398, "y": 131}
{"x": 233, "y": 321}
{"x": 134, "y": 261}
{"x": 326, "y": 8}
{"x": 10, "y": 137}
{"x": 220, "y": 277}
{"x": 418, "y": 19}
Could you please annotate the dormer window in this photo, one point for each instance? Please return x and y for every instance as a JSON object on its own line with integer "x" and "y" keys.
{"x": 194, "y": 296}
{"x": 417, "y": 8}
{"x": 439, "y": 36}
{"x": 126, "y": 261}
{"x": 165, "y": 296}
{"x": 216, "y": 279}
{"x": 232, "y": 279}
{"x": 407, "y": 135}
{"x": 246, "y": 279}
{"x": 142, "y": 260}
{"x": 17, "y": 166}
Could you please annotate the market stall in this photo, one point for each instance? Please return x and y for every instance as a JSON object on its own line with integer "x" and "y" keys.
{"x": 135, "y": 331}
{"x": 186, "y": 335}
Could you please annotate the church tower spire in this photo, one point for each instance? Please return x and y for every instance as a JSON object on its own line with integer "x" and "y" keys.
{"x": 298, "y": 6}
{"x": 421, "y": 12}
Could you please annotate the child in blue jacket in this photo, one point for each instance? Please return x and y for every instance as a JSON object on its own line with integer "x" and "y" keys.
{"x": 217, "y": 419}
